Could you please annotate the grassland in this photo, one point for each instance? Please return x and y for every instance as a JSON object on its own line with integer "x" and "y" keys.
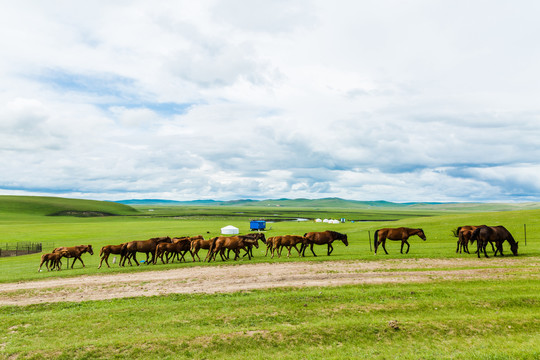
{"x": 442, "y": 319}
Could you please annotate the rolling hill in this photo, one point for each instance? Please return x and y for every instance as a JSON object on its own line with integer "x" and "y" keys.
{"x": 51, "y": 206}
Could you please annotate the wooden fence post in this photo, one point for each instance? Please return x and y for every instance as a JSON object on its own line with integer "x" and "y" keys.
{"x": 369, "y": 239}
{"x": 525, "y": 233}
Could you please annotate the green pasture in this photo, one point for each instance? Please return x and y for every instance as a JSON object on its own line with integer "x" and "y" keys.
{"x": 54, "y": 231}
{"x": 488, "y": 319}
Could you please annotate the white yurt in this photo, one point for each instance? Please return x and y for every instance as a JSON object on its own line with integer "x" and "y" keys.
{"x": 229, "y": 230}
{"x": 318, "y": 220}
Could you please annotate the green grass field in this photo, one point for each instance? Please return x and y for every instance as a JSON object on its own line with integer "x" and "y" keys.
{"x": 443, "y": 319}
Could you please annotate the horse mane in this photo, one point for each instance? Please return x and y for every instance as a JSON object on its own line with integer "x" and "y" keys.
{"x": 335, "y": 234}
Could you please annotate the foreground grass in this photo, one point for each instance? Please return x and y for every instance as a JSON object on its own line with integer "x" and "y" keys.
{"x": 440, "y": 320}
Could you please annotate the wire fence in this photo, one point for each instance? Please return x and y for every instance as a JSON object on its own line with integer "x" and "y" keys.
{"x": 21, "y": 248}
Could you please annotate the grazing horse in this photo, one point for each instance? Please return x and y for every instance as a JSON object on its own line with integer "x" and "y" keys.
{"x": 145, "y": 246}
{"x": 321, "y": 238}
{"x": 110, "y": 249}
{"x": 399, "y": 234}
{"x": 497, "y": 234}
{"x": 75, "y": 252}
{"x": 220, "y": 243}
{"x": 52, "y": 258}
{"x": 288, "y": 241}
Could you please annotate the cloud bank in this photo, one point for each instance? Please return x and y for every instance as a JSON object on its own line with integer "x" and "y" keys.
{"x": 423, "y": 101}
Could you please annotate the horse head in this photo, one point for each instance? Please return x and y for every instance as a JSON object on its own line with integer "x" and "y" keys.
{"x": 514, "y": 248}
{"x": 422, "y": 235}
{"x": 344, "y": 239}
{"x": 89, "y": 249}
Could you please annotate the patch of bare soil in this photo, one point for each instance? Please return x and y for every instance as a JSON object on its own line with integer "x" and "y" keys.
{"x": 243, "y": 277}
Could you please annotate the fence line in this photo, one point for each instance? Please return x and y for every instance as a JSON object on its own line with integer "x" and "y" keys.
{"x": 20, "y": 248}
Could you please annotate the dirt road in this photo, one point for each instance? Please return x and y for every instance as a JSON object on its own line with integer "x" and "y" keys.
{"x": 241, "y": 277}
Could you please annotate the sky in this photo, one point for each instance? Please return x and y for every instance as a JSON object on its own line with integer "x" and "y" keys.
{"x": 420, "y": 100}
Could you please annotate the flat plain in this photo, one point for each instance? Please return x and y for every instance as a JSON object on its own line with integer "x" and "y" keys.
{"x": 432, "y": 303}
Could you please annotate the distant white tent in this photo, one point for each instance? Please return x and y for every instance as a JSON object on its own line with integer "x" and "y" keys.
{"x": 318, "y": 220}
{"x": 229, "y": 230}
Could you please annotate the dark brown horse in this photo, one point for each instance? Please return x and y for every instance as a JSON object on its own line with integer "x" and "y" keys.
{"x": 235, "y": 243}
{"x": 75, "y": 252}
{"x": 145, "y": 246}
{"x": 398, "y": 234}
{"x": 110, "y": 249}
{"x": 496, "y": 234}
{"x": 54, "y": 259}
{"x": 321, "y": 238}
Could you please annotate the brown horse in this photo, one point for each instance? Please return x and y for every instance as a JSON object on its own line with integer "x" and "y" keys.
{"x": 289, "y": 241}
{"x": 199, "y": 244}
{"x": 52, "y": 258}
{"x": 497, "y": 234}
{"x": 145, "y": 246}
{"x": 75, "y": 252}
{"x": 464, "y": 233}
{"x": 235, "y": 243}
{"x": 321, "y": 238}
{"x": 399, "y": 234}
{"x": 110, "y": 249}
{"x": 270, "y": 244}
{"x": 178, "y": 246}
{"x": 249, "y": 248}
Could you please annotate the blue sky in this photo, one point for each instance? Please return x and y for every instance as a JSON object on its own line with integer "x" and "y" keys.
{"x": 183, "y": 100}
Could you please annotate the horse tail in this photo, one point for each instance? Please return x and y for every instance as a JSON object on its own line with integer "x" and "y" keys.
{"x": 212, "y": 247}
{"x": 375, "y": 240}
{"x": 123, "y": 252}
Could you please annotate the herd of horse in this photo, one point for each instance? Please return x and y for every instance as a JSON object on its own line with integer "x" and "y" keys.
{"x": 167, "y": 249}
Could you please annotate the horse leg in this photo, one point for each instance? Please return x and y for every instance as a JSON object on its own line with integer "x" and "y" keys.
{"x": 330, "y": 249}
{"x": 383, "y": 243}
{"x": 406, "y": 242}
{"x": 311, "y": 248}
{"x": 135, "y": 258}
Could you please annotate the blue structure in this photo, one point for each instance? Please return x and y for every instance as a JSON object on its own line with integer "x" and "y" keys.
{"x": 257, "y": 225}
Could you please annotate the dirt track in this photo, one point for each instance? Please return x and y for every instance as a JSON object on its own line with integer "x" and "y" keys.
{"x": 240, "y": 277}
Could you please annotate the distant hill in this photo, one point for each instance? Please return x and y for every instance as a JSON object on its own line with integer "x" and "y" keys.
{"x": 56, "y": 206}
{"x": 340, "y": 203}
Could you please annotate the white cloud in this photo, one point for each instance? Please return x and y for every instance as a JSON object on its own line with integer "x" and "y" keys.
{"x": 225, "y": 99}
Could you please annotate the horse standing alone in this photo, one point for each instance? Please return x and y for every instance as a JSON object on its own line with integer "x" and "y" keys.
{"x": 321, "y": 238}
{"x": 399, "y": 234}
